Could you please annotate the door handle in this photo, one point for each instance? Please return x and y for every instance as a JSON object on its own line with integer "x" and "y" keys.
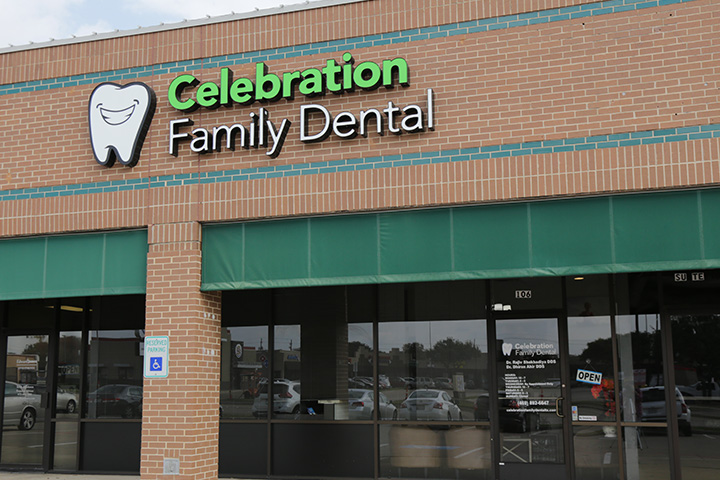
{"x": 45, "y": 400}
{"x": 558, "y": 407}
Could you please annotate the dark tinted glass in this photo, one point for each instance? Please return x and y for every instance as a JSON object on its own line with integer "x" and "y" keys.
{"x": 245, "y": 354}
{"x": 696, "y": 338}
{"x": 115, "y": 364}
{"x": 121, "y": 454}
{"x": 522, "y": 294}
{"x": 430, "y": 452}
{"x": 432, "y": 338}
{"x": 32, "y": 314}
{"x": 346, "y": 450}
{"x": 243, "y": 449}
{"x": 321, "y": 351}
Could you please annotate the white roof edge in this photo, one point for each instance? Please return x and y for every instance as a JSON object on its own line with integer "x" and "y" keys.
{"x": 307, "y": 5}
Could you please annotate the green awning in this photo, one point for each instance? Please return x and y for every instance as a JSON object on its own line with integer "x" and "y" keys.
{"x": 109, "y": 263}
{"x": 611, "y": 234}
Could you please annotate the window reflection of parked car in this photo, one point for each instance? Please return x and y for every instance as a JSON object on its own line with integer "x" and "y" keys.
{"x": 383, "y": 381}
{"x": 66, "y": 401}
{"x": 420, "y": 382}
{"x": 429, "y": 405}
{"x": 653, "y": 408}
{"x": 116, "y": 400}
{"x": 425, "y": 382}
{"x": 364, "y": 382}
{"x": 362, "y": 405}
{"x": 286, "y": 398}
{"x": 20, "y": 408}
{"x": 443, "y": 383}
{"x": 701, "y": 389}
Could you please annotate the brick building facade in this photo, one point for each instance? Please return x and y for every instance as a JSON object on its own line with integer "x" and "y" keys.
{"x": 559, "y": 139}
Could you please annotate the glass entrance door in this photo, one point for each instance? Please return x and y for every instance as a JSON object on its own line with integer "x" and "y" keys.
{"x": 26, "y": 400}
{"x": 531, "y": 393}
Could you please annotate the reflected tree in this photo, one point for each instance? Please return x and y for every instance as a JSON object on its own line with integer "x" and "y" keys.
{"x": 451, "y": 353}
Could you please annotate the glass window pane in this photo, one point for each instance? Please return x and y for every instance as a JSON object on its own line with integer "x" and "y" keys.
{"x": 242, "y": 449}
{"x": 245, "y": 355}
{"x": 592, "y": 381}
{"x": 641, "y": 367}
{"x": 31, "y": 314}
{"x": 65, "y": 448}
{"x": 24, "y": 406}
{"x": 518, "y": 294}
{"x": 697, "y": 375}
{"x": 596, "y": 453}
{"x": 121, "y": 455}
{"x": 115, "y": 363}
{"x": 433, "y": 351}
{"x": 646, "y": 453}
{"x": 322, "y": 354}
{"x": 68, "y": 375}
{"x": 315, "y": 450}
{"x": 427, "y": 452}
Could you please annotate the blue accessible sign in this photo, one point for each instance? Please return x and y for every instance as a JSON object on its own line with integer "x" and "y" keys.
{"x": 156, "y": 357}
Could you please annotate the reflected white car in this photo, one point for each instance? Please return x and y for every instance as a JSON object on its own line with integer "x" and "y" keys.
{"x": 21, "y": 408}
{"x": 66, "y": 401}
{"x": 361, "y": 405}
{"x": 434, "y": 405}
{"x": 286, "y": 398}
{"x": 700, "y": 389}
{"x": 653, "y": 408}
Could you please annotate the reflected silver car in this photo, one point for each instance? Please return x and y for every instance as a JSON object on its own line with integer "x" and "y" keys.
{"x": 653, "y": 408}
{"x": 286, "y": 398}
{"x": 66, "y": 401}
{"x": 361, "y": 405}
{"x": 21, "y": 408}
{"x": 429, "y": 405}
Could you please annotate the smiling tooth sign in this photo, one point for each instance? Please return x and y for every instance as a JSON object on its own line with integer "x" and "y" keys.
{"x": 119, "y": 118}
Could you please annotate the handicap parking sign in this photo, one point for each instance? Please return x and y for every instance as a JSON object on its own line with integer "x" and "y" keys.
{"x": 156, "y": 354}
{"x": 156, "y": 364}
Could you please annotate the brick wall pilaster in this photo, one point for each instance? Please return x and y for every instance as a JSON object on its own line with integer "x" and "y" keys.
{"x": 181, "y": 412}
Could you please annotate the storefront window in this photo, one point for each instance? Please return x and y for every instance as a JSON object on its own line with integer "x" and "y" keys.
{"x": 642, "y": 381}
{"x": 425, "y": 451}
{"x": 433, "y": 351}
{"x": 73, "y": 313}
{"x": 592, "y": 381}
{"x": 115, "y": 363}
{"x": 245, "y": 352}
{"x": 596, "y": 453}
{"x": 697, "y": 403}
{"x": 322, "y": 356}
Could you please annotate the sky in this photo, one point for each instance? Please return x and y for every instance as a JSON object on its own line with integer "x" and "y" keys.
{"x": 25, "y": 21}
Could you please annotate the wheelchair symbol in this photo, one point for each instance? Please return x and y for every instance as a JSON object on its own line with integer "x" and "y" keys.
{"x": 155, "y": 364}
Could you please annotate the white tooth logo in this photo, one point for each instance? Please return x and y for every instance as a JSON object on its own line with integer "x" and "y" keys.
{"x": 119, "y": 119}
{"x": 507, "y": 348}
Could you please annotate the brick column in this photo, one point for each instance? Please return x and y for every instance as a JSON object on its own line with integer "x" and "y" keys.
{"x": 181, "y": 412}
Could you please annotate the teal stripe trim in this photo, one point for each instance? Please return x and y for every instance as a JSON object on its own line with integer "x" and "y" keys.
{"x": 669, "y": 135}
{"x": 405, "y": 36}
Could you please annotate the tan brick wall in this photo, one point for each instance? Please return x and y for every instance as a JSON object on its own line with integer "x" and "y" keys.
{"x": 317, "y": 25}
{"x": 181, "y": 412}
{"x": 620, "y": 73}
{"x": 608, "y": 74}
